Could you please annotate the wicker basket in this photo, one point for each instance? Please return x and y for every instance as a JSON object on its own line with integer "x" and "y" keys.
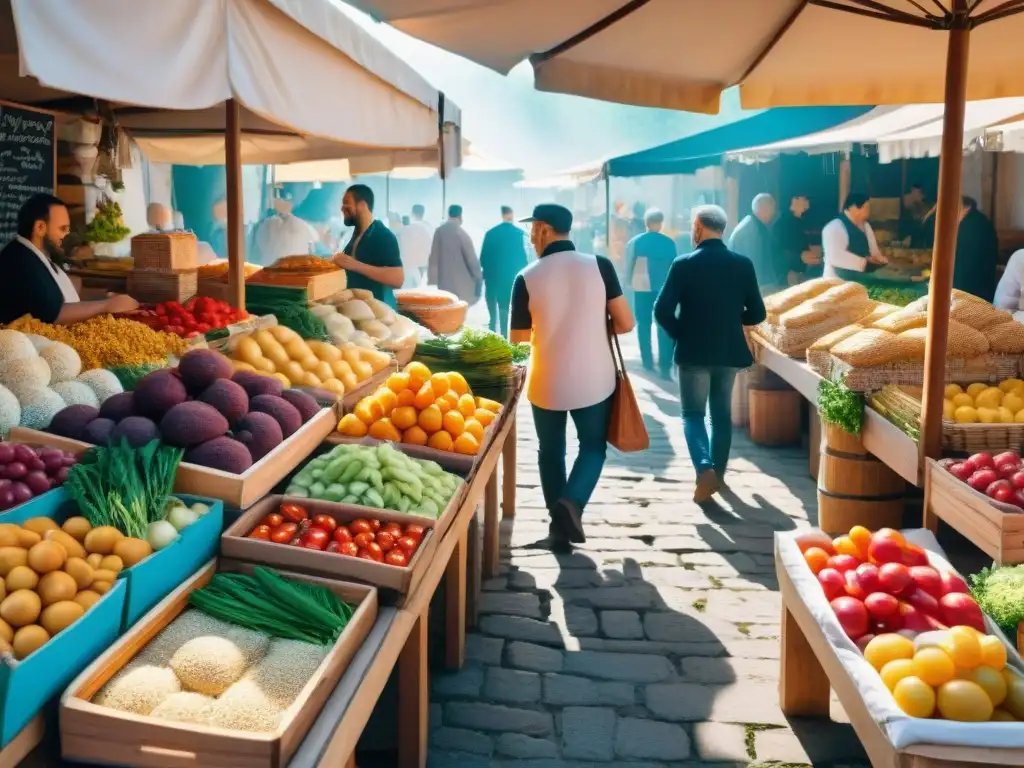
{"x": 971, "y": 438}
{"x": 165, "y": 251}
{"x": 440, "y": 319}
{"x": 911, "y": 372}
{"x": 152, "y": 287}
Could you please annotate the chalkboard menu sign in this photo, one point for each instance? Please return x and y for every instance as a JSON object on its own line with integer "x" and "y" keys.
{"x": 27, "y": 161}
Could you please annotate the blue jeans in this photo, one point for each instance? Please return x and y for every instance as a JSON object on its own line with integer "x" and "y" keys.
{"x": 592, "y": 431}
{"x": 643, "y": 306}
{"x": 498, "y": 311}
{"x": 707, "y": 391}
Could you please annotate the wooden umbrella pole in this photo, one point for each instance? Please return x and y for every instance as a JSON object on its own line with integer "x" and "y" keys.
{"x": 947, "y": 220}
{"x": 236, "y": 215}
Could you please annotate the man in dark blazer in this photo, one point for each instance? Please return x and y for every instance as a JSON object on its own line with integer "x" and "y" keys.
{"x": 708, "y": 298}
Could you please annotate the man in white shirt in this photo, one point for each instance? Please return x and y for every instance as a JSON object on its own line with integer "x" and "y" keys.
{"x": 414, "y": 242}
{"x": 848, "y": 243}
{"x": 1008, "y": 292}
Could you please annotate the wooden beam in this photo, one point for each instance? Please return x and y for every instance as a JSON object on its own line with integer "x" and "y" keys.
{"x": 236, "y": 211}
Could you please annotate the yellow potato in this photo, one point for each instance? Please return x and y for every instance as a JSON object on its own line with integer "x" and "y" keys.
{"x": 323, "y": 371}
{"x": 341, "y": 369}
{"x": 285, "y": 381}
{"x": 326, "y": 352}
{"x": 295, "y": 372}
{"x": 298, "y": 350}
{"x": 284, "y": 334}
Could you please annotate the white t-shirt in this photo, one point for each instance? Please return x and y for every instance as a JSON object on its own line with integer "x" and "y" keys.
{"x": 835, "y": 242}
{"x": 1008, "y": 292}
{"x": 414, "y": 241}
{"x": 67, "y": 288}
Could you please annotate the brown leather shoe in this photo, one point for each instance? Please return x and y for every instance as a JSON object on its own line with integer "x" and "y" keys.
{"x": 707, "y": 486}
{"x": 567, "y": 518}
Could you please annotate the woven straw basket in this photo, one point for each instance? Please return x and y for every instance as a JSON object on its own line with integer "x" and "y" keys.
{"x": 165, "y": 251}
{"x": 447, "y": 319}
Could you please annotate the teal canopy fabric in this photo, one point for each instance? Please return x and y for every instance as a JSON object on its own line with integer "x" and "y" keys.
{"x": 704, "y": 149}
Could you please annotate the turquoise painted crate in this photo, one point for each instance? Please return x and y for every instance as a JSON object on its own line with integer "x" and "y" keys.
{"x": 25, "y": 686}
{"x": 154, "y": 578}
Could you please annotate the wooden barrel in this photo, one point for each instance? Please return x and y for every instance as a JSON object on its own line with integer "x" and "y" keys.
{"x": 841, "y": 441}
{"x": 857, "y": 489}
{"x": 775, "y": 417}
{"x": 741, "y": 399}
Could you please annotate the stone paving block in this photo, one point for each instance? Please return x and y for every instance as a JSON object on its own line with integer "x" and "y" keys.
{"x": 512, "y": 685}
{"x": 461, "y": 740}
{"x": 497, "y": 718}
{"x": 486, "y": 650}
{"x": 742, "y": 702}
{"x": 608, "y": 598}
{"x": 435, "y": 716}
{"x": 535, "y": 658}
{"x": 510, "y": 604}
{"x": 499, "y": 584}
{"x": 437, "y": 758}
{"x": 810, "y": 741}
{"x": 710, "y": 648}
{"x": 624, "y": 667}
{"x": 521, "y": 628}
{"x": 579, "y": 621}
{"x": 622, "y": 625}
{"x": 465, "y": 683}
{"x": 588, "y": 733}
{"x": 726, "y": 670}
{"x": 525, "y": 747}
{"x": 676, "y": 577}
{"x": 720, "y": 742}
{"x": 650, "y": 740}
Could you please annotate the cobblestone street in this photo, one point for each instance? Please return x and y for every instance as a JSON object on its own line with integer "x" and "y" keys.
{"x": 654, "y": 644}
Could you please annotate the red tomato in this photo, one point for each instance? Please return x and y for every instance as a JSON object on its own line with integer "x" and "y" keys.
{"x": 315, "y": 538}
{"x": 360, "y": 525}
{"x": 284, "y": 533}
{"x": 376, "y": 525}
{"x": 375, "y": 551}
{"x": 332, "y": 546}
{"x": 192, "y": 334}
{"x": 394, "y": 529}
{"x": 408, "y": 545}
{"x": 294, "y": 512}
{"x": 273, "y": 520}
{"x": 396, "y": 557}
{"x": 203, "y": 327}
{"x": 386, "y": 541}
{"x": 364, "y": 555}
{"x": 260, "y": 532}
{"x": 342, "y": 534}
{"x": 415, "y": 532}
{"x": 326, "y": 522}
{"x": 348, "y": 548}
{"x": 363, "y": 540}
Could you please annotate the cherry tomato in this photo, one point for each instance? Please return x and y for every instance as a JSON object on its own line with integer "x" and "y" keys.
{"x": 260, "y": 532}
{"x": 273, "y": 520}
{"x": 294, "y": 512}
{"x": 364, "y": 555}
{"x": 348, "y": 548}
{"x": 375, "y": 524}
{"x": 360, "y": 525}
{"x": 386, "y": 541}
{"x": 326, "y": 522}
{"x": 375, "y": 552}
{"x": 396, "y": 557}
{"x": 415, "y": 532}
{"x": 342, "y": 534}
{"x": 408, "y": 545}
{"x": 315, "y": 538}
{"x": 394, "y": 529}
{"x": 332, "y": 546}
{"x": 284, "y": 532}
{"x": 362, "y": 540}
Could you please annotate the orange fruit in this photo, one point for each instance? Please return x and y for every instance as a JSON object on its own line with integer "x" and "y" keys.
{"x": 430, "y": 419}
{"x": 440, "y": 383}
{"x": 457, "y": 382}
{"x": 484, "y": 416}
{"x": 419, "y": 374}
{"x": 475, "y": 428}
{"x": 467, "y": 444}
{"x": 444, "y": 404}
{"x": 383, "y": 429}
{"x": 844, "y": 545}
{"x": 396, "y": 382}
{"x": 352, "y": 426}
{"x": 816, "y": 558}
{"x": 490, "y": 405}
{"x": 406, "y": 397}
{"x": 453, "y": 423}
{"x": 424, "y": 397}
{"x": 467, "y": 406}
{"x": 387, "y": 399}
{"x": 404, "y": 417}
{"x": 452, "y": 398}
{"x": 414, "y": 436}
{"x": 861, "y": 538}
{"x": 440, "y": 440}
{"x": 368, "y": 410}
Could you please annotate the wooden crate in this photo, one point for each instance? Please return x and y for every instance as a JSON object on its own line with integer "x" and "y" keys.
{"x": 239, "y": 491}
{"x": 318, "y": 285}
{"x": 27, "y": 739}
{"x": 367, "y": 387}
{"x": 91, "y": 733}
{"x": 153, "y": 287}
{"x": 234, "y": 544}
{"x": 165, "y": 251}
{"x": 997, "y": 533}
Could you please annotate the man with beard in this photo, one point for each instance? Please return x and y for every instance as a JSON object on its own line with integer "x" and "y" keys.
{"x": 33, "y": 284}
{"x": 372, "y": 257}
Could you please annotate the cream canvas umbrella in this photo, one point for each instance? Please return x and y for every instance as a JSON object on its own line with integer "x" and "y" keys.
{"x": 682, "y": 54}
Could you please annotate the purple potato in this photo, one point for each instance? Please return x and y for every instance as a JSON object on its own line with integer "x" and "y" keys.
{"x": 16, "y": 470}
{"x": 37, "y": 482}
{"x": 6, "y": 453}
{"x": 22, "y": 492}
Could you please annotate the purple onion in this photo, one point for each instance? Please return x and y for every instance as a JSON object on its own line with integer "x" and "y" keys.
{"x": 23, "y": 453}
{"x": 4, "y": 483}
{"x": 61, "y": 476}
{"x": 6, "y": 453}
{"x": 37, "y": 482}
{"x": 6, "y": 499}
{"x": 16, "y": 470}
{"x": 21, "y": 492}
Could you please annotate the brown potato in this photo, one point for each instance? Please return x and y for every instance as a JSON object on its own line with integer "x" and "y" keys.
{"x": 112, "y": 563}
{"x": 87, "y": 598}
{"x": 70, "y": 544}
{"x": 12, "y": 557}
{"x": 40, "y": 525}
{"x": 80, "y": 571}
{"x": 94, "y": 560}
{"x": 102, "y": 587}
{"x": 76, "y": 528}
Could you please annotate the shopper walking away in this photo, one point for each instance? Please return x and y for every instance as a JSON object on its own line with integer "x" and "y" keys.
{"x": 710, "y": 295}
{"x": 753, "y": 239}
{"x": 414, "y": 241}
{"x": 562, "y": 304}
{"x": 453, "y": 265}
{"x": 371, "y": 258}
{"x": 648, "y": 259}
{"x": 502, "y": 256}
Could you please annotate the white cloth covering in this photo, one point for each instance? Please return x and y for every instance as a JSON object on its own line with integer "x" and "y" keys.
{"x": 67, "y": 288}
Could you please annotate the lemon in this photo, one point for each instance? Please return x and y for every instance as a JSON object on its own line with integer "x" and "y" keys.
{"x": 966, "y": 414}
{"x": 965, "y": 701}
{"x": 948, "y": 409}
{"x": 915, "y": 697}
{"x": 993, "y": 652}
{"x": 895, "y": 671}
{"x": 963, "y": 646}
{"x": 1018, "y": 417}
{"x": 1013, "y": 401}
{"x": 891, "y": 647}
{"x": 952, "y": 390}
{"x": 976, "y": 388}
{"x": 1005, "y": 415}
{"x": 989, "y": 398}
{"x": 1011, "y": 385}
{"x": 934, "y": 666}
{"x": 1000, "y": 715}
{"x": 991, "y": 682}
{"x": 963, "y": 399}
{"x": 988, "y": 415}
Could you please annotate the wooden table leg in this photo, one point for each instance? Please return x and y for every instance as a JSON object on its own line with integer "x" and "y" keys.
{"x": 473, "y": 568}
{"x": 803, "y": 685}
{"x": 929, "y": 519}
{"x": 455, "y": 605}
{"x": 492, "y": 527}
{"x": 413, "y": 698}
{"x": 508, "y": 472}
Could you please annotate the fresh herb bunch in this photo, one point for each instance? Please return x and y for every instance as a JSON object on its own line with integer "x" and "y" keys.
{"x": 898, "y": 297}
{"x": 841, "y": 406}
{"x": 123, "y": 486}
{"x": 999, "y": 592}
{"x": 289, "y": 306}
{"x": 267, "y": 603}
{"x": 485, "y": 359}
{"x": 107, "y": 226}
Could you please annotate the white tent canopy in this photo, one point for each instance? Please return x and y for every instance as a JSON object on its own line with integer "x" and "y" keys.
{"x": 312, "y": 83}
{"x": 911, "y": 131}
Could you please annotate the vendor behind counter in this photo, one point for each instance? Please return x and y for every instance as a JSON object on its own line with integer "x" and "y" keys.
{"x": 848, "y": 243}
{"x": 32, "y": 283}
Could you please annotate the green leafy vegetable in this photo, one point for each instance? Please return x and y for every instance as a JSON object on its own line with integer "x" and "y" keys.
{"x": 999, "y": 592}
{"x": 129, "y": 375}
{"x": 485, "y": 359}
{"x": 266, "y": 602}
{"x": 841, "y": 406}
{"x": 107, "y": 226}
